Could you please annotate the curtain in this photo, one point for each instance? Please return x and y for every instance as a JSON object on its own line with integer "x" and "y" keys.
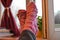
{"x": 8, "y": 21}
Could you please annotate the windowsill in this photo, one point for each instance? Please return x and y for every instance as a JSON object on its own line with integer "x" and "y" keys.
{"x": 57, "y": 29}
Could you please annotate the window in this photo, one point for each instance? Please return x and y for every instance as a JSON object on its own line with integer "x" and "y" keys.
{"x": 15, "y": 6}
{"x": 39, "y": 7}
{"x": 57, "y": 15}
{"x": 18, "y": 5}
{"x": 57, "y": 11}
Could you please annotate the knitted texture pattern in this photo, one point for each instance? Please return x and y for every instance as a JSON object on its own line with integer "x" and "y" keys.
{"x": 21, "y": 16}
{"x": 31, "y": 22}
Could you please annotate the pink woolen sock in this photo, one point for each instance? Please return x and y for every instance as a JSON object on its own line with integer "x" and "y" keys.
{"x": 21, "y": 16}
{"x": 30, "y": 22}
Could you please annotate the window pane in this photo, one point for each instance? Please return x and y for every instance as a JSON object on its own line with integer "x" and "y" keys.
{"x": 57, "y": 11}
{"x": 57, "y": 15}
{"x": 39, "y": 7}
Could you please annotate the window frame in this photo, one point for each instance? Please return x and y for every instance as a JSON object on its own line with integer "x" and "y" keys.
{"x": 45, "y": 18}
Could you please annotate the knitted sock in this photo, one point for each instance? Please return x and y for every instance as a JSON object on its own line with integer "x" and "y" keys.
{"x": 21, "y": 16}
{"x": 30, "y": 18}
